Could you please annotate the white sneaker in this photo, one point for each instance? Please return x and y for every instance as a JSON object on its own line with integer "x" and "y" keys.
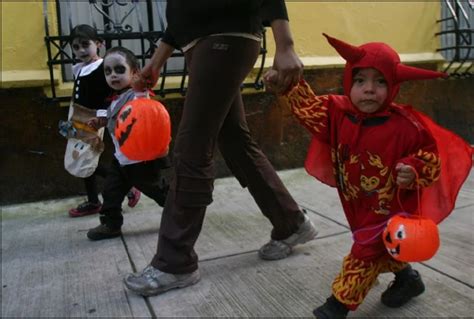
{"x": 279, "y": 249}
{"x": 151, "y": 281}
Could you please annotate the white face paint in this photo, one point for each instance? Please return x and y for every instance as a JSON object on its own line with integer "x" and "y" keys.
{"x": 117, "y": 71}
{"x": 85, "y": 50}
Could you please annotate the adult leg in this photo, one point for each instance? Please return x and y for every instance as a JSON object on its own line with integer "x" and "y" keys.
{"x": 217, "y": 67}
{"x": 253, "y": 170}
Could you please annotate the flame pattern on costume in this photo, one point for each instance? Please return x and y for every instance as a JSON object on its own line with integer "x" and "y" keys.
{"x": 431, "y": 171}
{"x": 357, "y": 277}
{"x": 350, "y": 148}
{"x": 310, "y": 110}
{"x": 365, "y": 167}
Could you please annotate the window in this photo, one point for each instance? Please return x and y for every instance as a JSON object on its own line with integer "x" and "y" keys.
{"x": 136, "y": 25}
{"x": 456, "y": 36}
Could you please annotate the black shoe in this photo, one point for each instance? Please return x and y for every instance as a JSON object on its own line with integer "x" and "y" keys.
{"x": 407, "y": 284}
{"x": 332, "y": 309}
{"x": 103, "y": 232}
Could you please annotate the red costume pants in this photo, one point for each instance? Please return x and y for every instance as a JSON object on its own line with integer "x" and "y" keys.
{"x": 357, "y": 277}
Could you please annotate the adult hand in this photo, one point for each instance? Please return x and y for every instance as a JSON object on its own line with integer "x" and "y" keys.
{"x": 270, "y": 80}
{"x": 147, "y": 78}
{"x": 286, "y": 61}
{"x": 289, "y": 68}
{"x": 405, "y": 175}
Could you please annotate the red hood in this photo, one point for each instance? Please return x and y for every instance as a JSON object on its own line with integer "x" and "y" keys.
{"x": 382, "y": 57}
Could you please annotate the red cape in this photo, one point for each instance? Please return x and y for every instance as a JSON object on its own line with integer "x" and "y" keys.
{"x": 437, "y": 200}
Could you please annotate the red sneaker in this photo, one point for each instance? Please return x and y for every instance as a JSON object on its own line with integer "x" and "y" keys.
{"x": 85, "y": 209}
{"x": 133, "y": 197}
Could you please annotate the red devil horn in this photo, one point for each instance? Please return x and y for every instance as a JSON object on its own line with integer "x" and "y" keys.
{"x": 406, "y": 73}
{"x": 349, "y": 52}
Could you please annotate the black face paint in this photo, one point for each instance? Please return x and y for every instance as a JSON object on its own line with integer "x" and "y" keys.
{"x": 118, "y": 69}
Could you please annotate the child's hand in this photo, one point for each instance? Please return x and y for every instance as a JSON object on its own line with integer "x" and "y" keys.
{"x": 141, "y": 82}
{"x": 405, "y": 175}
{"x": 97, "y": 122}
{"x": 270, "y": 80}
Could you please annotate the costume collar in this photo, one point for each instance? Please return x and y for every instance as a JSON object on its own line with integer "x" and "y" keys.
{"x": 80, "y": 69}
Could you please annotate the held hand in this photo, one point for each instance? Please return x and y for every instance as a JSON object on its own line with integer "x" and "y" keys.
{"x": 146, "y": 79}
{"x": 286, "y": 62}
{"x": 289, "y": 67}
{"x": 270, "y": 80}
{"x": 405, "y": 175}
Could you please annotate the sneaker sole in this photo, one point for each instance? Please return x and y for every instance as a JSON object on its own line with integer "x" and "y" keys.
{"x": 73, "y": 215}
{"x": 102, "y": 237}
{"x": 302, "y": 240}
{"x": 403, "y": 302}
{"x": 176, "y": 285}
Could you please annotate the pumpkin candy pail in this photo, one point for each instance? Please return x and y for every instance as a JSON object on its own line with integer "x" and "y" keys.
{"x": 411, "y": 238}
{"x": 143, "y": 129}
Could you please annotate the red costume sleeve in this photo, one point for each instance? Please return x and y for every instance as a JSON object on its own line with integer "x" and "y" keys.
{"x": 312, "y": 112}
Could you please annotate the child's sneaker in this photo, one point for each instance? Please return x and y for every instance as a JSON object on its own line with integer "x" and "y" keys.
{"x": 133, "y": 197}
{"x": 84, "y": 209}
{"x": 407, "y": 284}
{"x": 331, "y": 309}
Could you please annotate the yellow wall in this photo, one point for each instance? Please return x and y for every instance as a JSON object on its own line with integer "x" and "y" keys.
{"x": 24, "y": 53}
{"x": 408, "y": 26}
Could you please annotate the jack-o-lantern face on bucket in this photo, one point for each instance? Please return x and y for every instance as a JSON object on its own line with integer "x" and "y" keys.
{"x": 411, "y": 238}
{"x": 143, "y": 130}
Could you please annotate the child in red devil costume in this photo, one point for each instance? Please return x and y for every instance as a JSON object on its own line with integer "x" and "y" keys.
{"x": 370, "y": 148}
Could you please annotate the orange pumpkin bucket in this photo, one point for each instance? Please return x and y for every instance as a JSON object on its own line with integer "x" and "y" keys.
{"x": 143, "y": 129}
{"x": 411, "y": 238}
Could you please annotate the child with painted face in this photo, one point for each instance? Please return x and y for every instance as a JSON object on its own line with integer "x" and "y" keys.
{"x": 120, "y": 66}
{"x": 374, "y": 151}
{"x": 91, "y": 91}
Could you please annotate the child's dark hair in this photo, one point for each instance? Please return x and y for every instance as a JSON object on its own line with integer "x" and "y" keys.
{"x": 127, "y": 54}
{"x": 85, "y": 32}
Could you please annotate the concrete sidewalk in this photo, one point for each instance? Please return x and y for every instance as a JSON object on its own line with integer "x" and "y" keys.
{"x": 50, "y": 268}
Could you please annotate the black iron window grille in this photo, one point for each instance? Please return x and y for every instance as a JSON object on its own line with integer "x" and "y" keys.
{"x": 456, "y": 36}
{"x": 135, "y": 24}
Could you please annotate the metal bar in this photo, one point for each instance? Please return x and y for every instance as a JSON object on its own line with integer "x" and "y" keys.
{"x": 454, "y": 31}
{"x": 114, "y": 33}
{"x": 48, "y": 48}
{"x": 263, "y": 51}
{"x": 455, "y": 47}
{"x": 183, "y": 79}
